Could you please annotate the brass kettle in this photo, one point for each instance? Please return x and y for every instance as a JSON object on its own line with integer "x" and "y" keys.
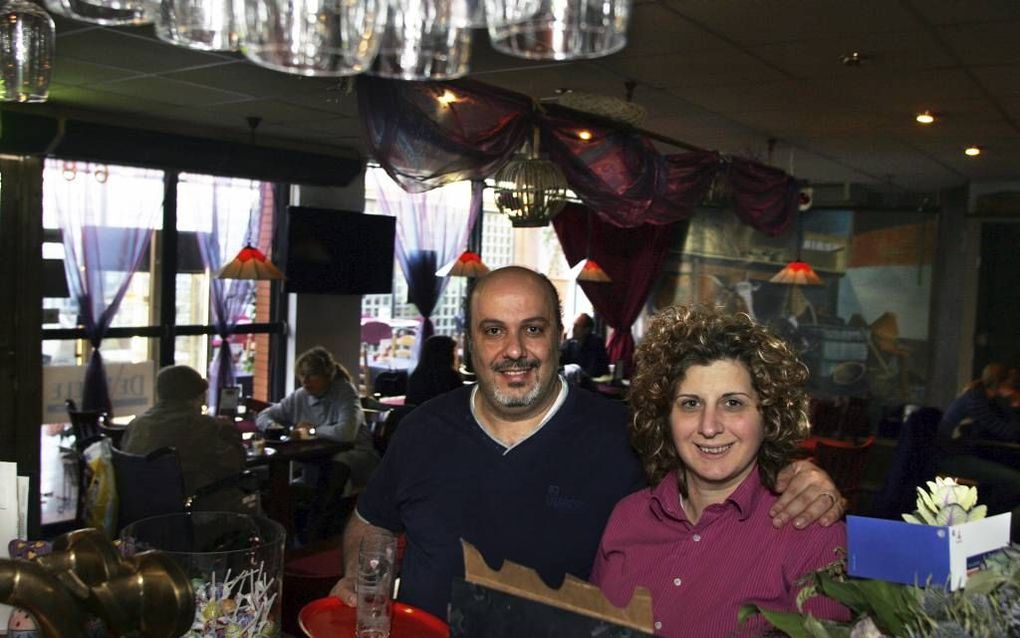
{"x": 146, "y": 595}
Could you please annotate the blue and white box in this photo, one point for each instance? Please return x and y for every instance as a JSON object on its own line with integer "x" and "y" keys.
{"x": 922, "y": 554}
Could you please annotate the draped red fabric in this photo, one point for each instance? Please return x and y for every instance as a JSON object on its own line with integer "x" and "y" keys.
{"x": 426, "y": 134}
{"x": 632, "y": 257}
{"x": 764, "y": 198}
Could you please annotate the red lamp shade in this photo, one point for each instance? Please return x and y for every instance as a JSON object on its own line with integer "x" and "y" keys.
{"x": 468, "y": 264}
{"x": 250, "y": 263}
{"x": 589, "y": 270}
{"x": 797, "y": 273}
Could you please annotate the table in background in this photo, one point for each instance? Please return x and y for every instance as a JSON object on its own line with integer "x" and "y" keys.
{"x": 285, "y": 451}
{"x": 330, "y": 618}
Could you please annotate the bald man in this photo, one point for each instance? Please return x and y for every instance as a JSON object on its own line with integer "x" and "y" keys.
{"x": 520, "y": 465}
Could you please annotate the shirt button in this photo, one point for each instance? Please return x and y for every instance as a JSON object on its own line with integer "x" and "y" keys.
{"x": 676, "y": 581}
{"x": 696, "y": 537}
{"x": 658, "y": 625}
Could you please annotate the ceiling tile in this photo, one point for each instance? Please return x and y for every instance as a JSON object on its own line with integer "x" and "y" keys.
{"x": 726, "y": 67}
{"x": 241, "y": 76}
{"x": 171, "y": 91}
{"x": 762, "y": 22}
{"x": 127, "y": 51}
{"x": 73, "y": 72}
{"x": 984, "y": 44}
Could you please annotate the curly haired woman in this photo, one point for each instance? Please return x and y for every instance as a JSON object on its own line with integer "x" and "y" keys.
{"x": 719, "y": 408}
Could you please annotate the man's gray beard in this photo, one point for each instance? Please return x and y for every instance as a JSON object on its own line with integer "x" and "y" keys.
{"x": 515, "y": 401}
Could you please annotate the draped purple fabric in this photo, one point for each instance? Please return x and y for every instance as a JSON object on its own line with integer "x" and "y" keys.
{"x": 423, "y": 143}
{"x": 632, "y": 257}
{"x": 229, "y": 297}
{"x": 620, "y": 174}
{"x": 432, "y": 230}
{"x": 101, "y": 252}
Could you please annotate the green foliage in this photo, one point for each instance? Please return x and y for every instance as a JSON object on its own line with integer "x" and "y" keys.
{"x": 988, "y": 607}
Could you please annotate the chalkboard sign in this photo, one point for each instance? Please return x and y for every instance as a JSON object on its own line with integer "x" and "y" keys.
{"x": 481, "y": 612}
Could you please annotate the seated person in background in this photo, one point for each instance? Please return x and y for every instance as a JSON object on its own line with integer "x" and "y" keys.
{"x": 436, "y": 371}
{"x": 328, "y": 402}
{"x": 585, "y": 348}
{"x": 719, "y": 407}
{"x": 209, "y": 449}
{"x": 985, "y": 411}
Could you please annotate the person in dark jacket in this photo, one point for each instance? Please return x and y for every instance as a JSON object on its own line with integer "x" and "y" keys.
{"x": 435, "y": 373}
{"x": 585, "y": 348}
{"x": 984, "y": 412}
{"x": 209, "y": 449}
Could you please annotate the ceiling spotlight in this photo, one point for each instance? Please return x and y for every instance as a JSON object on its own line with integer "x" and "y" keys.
{"x": 972, "y": 151}
{"x": 925, "y": 117}
{"x": 447, "y": 98}
{"x": 853, "y": 58}
{"x": 584, "y": 134}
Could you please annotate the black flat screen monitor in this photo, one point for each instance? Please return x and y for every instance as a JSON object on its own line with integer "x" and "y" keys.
{"x": 338, "y": 252}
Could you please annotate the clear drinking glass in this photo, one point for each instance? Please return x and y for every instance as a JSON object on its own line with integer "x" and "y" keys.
{"x": 376, "y": 562}
{"x": 313, "y": 37}
{"x": 135, "y": 14}
{"x": 425, "y": 40}
{"x": 207, "y": 25}
{"x": 26, "y": 46}
{"x": 558, "y": 29}
{"x": 234, "y": 561}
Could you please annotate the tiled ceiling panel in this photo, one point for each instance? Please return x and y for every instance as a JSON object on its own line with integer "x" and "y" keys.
{"x": 729, "y": 75}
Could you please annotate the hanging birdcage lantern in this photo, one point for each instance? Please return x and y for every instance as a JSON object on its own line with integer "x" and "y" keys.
{"x": 530, "y": 190}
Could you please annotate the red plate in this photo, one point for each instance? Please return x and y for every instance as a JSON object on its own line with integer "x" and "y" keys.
{"x": 330, "y": 618}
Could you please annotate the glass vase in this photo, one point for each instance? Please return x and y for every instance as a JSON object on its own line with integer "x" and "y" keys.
{"x": 235, "y": 563}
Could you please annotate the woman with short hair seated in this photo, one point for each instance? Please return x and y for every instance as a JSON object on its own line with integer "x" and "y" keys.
{"x": 719, "y": 408}
{"x": 328, "y": 403}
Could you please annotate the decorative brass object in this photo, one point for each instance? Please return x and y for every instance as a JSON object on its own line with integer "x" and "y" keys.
{"x": 530, "y": 191}
{"x": 146, "y": 595}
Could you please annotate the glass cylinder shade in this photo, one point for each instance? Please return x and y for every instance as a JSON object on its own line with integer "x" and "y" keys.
{"x": 314, "y": 37}
{"x": 208, "y": 25}
{"x": 425, "y": 41}
{"x": 234, "y": 561}
{"x": 558, "y": 29}
{"x": 132, "y": 14}
{"x": 26, "y": 51}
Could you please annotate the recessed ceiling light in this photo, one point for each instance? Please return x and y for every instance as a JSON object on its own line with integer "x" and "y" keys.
{"x": 972, "y": 151}
{"x": 853, "y": 58}
{"x": 925, "y": 117}
{"x": 584, "y": 134}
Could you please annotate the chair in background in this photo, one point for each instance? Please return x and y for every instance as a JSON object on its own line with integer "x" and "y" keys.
{"x": 390, "y": 383}
{"x": 382, "y": 435}
{"x": 153, "y": 484}
{"x": 845, "y": 462}
{"x": 84, "y": 423}
{"x": 825, "y": 416}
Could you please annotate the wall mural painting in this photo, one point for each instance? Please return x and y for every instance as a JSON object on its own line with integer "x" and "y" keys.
{"x": 863, "y": 332}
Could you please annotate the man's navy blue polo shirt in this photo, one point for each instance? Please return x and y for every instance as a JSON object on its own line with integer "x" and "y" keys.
{"x": 542, "y": 504}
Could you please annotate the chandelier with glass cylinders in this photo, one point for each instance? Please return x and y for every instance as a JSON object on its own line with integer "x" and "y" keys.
{"x": 403, "y": 39}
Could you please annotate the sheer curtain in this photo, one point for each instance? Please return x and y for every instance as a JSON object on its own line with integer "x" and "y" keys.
{"x": 432, "y": 230}
{"x": 233, "y": 210}
{"x": 106, "y": 217}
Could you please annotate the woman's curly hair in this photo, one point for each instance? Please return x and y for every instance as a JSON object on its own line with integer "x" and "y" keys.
{"x": 680, "y": 337}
